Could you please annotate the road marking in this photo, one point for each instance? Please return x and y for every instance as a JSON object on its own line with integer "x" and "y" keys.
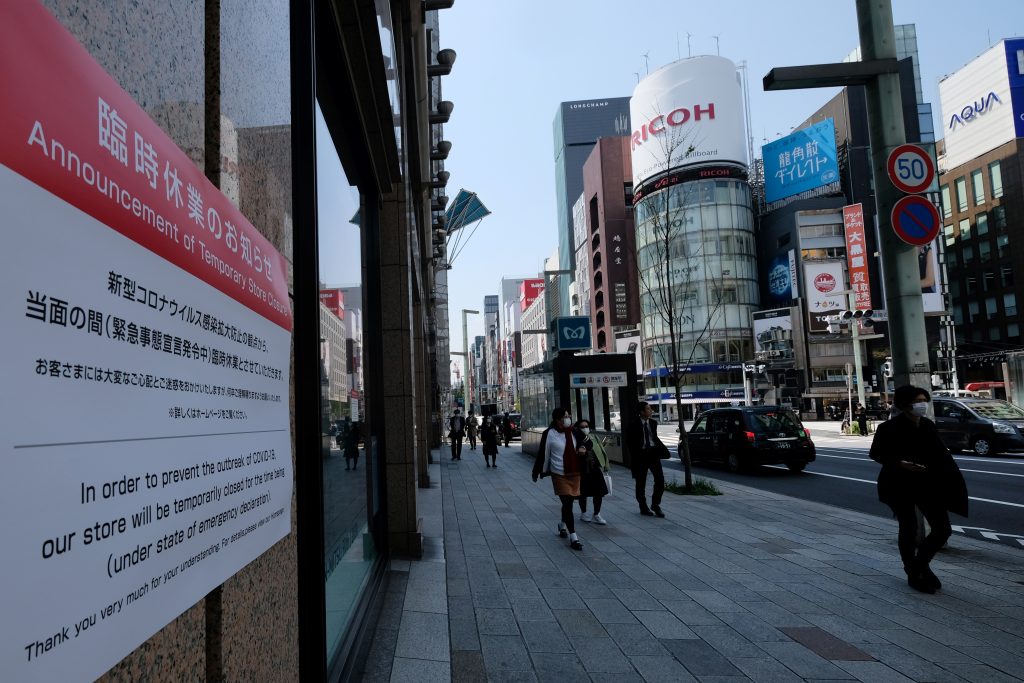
{"x": 1001, "y": 474}
{"x": 868, "y": 481}
{"x": 963, "y": 458}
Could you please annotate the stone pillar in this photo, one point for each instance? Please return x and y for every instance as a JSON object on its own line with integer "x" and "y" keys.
{"x": 399, "y": 379}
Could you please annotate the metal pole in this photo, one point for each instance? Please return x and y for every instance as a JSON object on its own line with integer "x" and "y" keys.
{"x": 467, "y": 397}
{"x": 907, "y": 336}
{"x": 855, "y": 335}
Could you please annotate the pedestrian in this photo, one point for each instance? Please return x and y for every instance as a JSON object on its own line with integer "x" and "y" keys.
{"x": 595, "y": 466}
{"x": 456, "y": 430}
{"x": 352, "y": 445}
{"x": 646, "y": 451}
{"x": 862, "y": 420}
{"x": 471, "y": 429}
{"x": 559, "y": 457}
{"x": 917, "y": 472}
{"x": 506, "y": 428}
{"x": 489, "y": 441}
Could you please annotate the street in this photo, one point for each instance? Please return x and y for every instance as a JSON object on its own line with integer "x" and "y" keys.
{"x": 844, "y": 475}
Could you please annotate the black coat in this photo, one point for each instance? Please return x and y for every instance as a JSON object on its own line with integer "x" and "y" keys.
{"x": 942, "y": 483}
{"x": 635, "y": 442}
{"x": 489, "y": 439}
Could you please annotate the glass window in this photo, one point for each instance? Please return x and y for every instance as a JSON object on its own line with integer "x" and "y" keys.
{"x": 995, "y": 178}
{"x": 990, "y": 306}
{"x": 947, "y": 204}
{"x": 974, "y": 311}
{"x": 951, "y": 259}
{"x": 1013, "y": 332}
{"x": 965, "y": 229}
{"x": 1009, "y": 304}
{"x": 972, "y": 284}
{"x": 961, "y": 194}
{"x": 981, "y": 224}
{"x": 988, "y": 279}
{"x": 1006, "y": 276}
{"x": 968, "y": 255}
{"x": 1003, "y": 246}
{"x": 978, "y": 186}
{"x": 999, "y": 218}
{"x": 985, "y": 251}
{"x": 949, "y": 235}
{"x": 994, "y": 333}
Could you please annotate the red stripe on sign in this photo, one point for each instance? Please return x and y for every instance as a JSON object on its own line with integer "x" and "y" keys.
{"x": 68, "y": 127}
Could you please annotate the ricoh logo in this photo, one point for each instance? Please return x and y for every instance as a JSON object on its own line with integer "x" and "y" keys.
{"x": 973, "y": 110}
{"x": 676, "y": 117}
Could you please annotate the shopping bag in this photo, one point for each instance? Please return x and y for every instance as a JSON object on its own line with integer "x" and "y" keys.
{"x": 608, "y": 483}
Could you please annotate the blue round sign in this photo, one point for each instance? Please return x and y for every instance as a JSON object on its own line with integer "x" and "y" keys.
{"x": 915, "y": 220}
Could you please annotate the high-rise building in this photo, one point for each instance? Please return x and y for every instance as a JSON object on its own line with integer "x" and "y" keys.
{"x": 577, "y": 127}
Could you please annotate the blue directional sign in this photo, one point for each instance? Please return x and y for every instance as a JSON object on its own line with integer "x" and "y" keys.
{"x": 915, "y": 220}
{"x": 573, "y": 333}
{"x": 801, "y": 162}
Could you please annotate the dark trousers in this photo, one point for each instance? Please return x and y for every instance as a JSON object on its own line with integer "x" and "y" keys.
{"x": 650, "y": 461}
{"x": 472, "y": 442}
{"x": 938, "y": 519}
{"x": 456, "y": 446}
{"x": 567, "y": 517}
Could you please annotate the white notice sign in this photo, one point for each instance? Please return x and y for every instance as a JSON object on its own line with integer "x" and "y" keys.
{"x": 146, "y": 449}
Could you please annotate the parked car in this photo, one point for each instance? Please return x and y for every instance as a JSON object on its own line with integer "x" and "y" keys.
{"x": 751, "y": 435}
{"x": 517, "y": 424}
{"x": 986, "y": 426}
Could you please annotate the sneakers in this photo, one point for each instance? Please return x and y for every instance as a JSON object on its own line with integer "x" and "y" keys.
{"x": 576, "y": 545}
{"x": 657, "y": 511}
{"x": 598, "y": 519}
{"x": 585, "y": 517}
{"x": 562, "y": 530}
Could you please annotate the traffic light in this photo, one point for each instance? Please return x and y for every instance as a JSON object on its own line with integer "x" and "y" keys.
{"x": 865, "y": 317}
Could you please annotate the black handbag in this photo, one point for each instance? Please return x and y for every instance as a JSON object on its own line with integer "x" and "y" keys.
{"x": 662, "y": 451}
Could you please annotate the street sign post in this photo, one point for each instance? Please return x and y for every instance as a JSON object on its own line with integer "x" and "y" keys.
{"x": 911, "y": 169}
{"x": 915, "y": 220}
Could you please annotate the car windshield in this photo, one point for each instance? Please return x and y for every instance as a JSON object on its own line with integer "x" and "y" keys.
{"x": 998, "y": 410}
{"x": 776, "y": 421}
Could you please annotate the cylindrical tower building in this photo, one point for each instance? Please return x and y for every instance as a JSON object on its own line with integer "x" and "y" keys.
{"x": 694, "y": 230}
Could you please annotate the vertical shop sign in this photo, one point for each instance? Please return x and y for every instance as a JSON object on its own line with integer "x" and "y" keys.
{"x": 857, "y": 256}
{"x": 146, "y": 449}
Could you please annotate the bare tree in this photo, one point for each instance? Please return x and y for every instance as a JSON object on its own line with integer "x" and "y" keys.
{"x": 666, "y": 262}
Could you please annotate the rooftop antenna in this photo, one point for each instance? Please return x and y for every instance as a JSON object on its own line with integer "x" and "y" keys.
{"x": 679, "y": 55}
{"x": 689, "y": 52}
{"x": 647, "y": 63}
{"x": 637, "y": 74}
{"x": 717, "y": 50}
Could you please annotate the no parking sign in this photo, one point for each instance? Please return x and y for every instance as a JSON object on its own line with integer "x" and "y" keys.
{"x": 915, "y": 220}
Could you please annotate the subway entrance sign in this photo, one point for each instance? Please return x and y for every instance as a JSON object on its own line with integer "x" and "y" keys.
{"x": 915, "y": 220}
{"x": 573, "y": 333}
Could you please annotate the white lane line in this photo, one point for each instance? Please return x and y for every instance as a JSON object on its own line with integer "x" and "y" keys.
{"x": 962, "y": 458}
{"x": 848, "y": 457}
{"x": 869, "y": 481}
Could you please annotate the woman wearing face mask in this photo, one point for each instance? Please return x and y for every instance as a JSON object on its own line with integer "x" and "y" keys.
{"x": 561, "y": 448}
{"x": 489, "y": 442}
{"x": 594, "y": 464}
{"x": 917, "y": 471}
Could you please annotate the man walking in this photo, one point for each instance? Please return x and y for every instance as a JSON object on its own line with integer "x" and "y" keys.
{"x": 456, "y": 430}
{"x": 646, "y": 452}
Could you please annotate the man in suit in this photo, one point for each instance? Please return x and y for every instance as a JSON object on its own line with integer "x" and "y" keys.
{"x": 645, "y": 451}
{"x": 456, "y": 430}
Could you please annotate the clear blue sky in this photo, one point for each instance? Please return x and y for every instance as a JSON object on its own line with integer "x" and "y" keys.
{"x": 518, "y": 60}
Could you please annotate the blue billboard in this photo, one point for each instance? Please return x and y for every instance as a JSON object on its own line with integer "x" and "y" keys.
{"x": 803, "y": 161}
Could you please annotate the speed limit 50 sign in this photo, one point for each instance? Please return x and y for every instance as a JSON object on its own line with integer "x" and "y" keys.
{"x": 911, "y": 169}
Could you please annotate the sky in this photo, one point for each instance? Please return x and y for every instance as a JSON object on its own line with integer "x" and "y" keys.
{"x": 516, "y": 61}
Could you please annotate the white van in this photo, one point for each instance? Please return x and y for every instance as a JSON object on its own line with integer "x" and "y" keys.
{"x": 957, "y": 393}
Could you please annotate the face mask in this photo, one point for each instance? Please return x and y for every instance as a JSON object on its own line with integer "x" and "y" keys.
{"x": 585, "y": 430}
{"x": 567, "y": 422}
{"x": 919, "y": 409}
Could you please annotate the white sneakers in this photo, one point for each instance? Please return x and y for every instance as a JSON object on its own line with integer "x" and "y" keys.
{"x": 585, "y": 517}
{"x": 598, "y": 519}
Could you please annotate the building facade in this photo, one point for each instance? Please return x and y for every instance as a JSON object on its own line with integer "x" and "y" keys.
{"x": 535, "y": 345}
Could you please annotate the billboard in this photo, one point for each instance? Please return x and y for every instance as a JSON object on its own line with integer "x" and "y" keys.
{"x": 773, "y": 336}
{"x": 801, "y": 162}
{"x": 982, "y": 103}
{"x": 857, "y": 255}
{"x": 686, "y": 113}
{"x": 529, "y": 291}
{"x": 822, "y": 280}
{"x": 782, "y": 279}
{"x": 334, "y": 300}
{"x": 928, "y": 267}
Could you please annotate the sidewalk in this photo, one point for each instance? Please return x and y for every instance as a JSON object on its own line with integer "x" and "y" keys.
{"x": 744, "y": 586}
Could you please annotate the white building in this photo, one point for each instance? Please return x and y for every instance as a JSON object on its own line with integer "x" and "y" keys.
{"x": 332, "y": 332}
{"x": 535, "y": 317}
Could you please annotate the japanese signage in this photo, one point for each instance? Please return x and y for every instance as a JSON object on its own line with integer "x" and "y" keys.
{"x": 773, "y": 336}
{"x": 334, "y": 300}
{"x": 801, "y": 163}
{"x": 146, "y": 337}
{"x": 857, "y": 256}
{"x": 597, "y": 379}
{"x": 686, "y": 113}
{"x": 529, "y": 291}
{"x": 621, "y": 272}
{"x": 823, "y": 279}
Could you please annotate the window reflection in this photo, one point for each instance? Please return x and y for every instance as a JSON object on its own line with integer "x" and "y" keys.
{"x": 347, "y": 452}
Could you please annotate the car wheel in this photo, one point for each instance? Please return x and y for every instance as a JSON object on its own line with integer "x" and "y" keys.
{"x": 796, "y": 466}
{"x": 982, "y": 446}
{"x": 733, "y": 461}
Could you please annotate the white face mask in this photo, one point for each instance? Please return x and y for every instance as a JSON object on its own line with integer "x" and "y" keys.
{"x": 919, "y": 409}
{"x": 585, "y": 430}
{"x": 567, "y": 422}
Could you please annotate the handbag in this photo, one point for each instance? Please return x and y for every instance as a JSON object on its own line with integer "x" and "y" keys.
{"x": 608, "y": 483}
{"x": 662, "y": 451}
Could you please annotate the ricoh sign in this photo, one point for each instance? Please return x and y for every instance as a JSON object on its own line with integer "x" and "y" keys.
{"x": 687, "y": 113}
{"x": 983, "y": 103}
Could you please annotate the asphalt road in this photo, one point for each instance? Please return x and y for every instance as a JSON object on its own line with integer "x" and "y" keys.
{"x": 845, "y": 476}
